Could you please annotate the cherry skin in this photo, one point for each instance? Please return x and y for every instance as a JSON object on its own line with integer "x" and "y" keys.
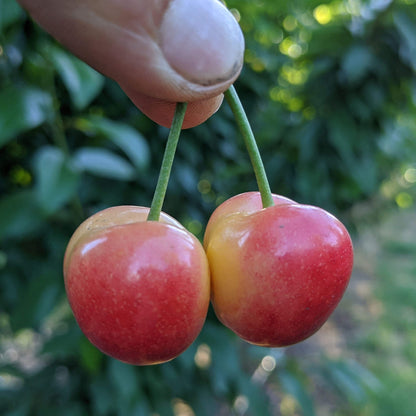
{"x": 138, "y": 289}
{"x": 277, "y": 273}
{"x": 247, "y": 202}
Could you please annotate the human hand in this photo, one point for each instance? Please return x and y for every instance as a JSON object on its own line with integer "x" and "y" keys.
{"x": 160, "y": 52}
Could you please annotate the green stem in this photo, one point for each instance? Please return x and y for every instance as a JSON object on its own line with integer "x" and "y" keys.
{"x": 251, "y": 145}
{"x": 169, "y": 155}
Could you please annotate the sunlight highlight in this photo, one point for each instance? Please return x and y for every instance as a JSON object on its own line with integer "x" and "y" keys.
{"x": 268, "y": 363}
{"x": 290, "y": 23}
{"x": 236, "y": 14}
{"x": 293, "y": 75}
{"x": 288, "y": 406}
{"x": 241, "y": 404}
{"x": 194, "y": 227}
{"x": 290, "y": 48}
{"x": 410, "y": 175}
{"x": 404, "y": 200}
{"x": 180, "y": 408}
{"x": 322, "y": 14}
{"x": 203, "y": 356}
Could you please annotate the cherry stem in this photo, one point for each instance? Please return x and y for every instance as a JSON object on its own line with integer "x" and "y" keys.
{"x": 251, "y": 145}
{"x": 167, "y": 161}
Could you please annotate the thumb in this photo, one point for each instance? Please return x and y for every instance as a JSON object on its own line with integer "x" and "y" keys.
{"x": 203, "y": 44}
{"x": 160, "y": 52}
{"x": 200, "y": 53}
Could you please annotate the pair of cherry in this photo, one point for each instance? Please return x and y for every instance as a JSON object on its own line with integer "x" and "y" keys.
{"x": 140, "y": 290}
{"x": 140, "y": 284}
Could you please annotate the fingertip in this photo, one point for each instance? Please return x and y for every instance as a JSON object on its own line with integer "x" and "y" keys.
{"x": 161, "y": 112}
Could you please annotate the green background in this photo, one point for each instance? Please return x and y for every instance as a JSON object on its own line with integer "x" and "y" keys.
{"x": 330, "y": 90}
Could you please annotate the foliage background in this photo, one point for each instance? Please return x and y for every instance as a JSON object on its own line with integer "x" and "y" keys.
{"x": 330, "y": 91}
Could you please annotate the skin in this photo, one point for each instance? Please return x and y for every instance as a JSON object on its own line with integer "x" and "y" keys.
{"x": 246, "y": 203}
{"x": 159, "y": 51}
{"x": 110, "y": 217}
{"x": 138, "y": 289}
{"x": 278, "y": 273}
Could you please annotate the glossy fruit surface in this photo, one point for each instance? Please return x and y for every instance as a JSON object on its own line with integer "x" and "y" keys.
{"x": 245, "y": 203}
{"x": 278, "y": 273}
{"x": 139, "y": 290}
{"x": 110, "y": 217}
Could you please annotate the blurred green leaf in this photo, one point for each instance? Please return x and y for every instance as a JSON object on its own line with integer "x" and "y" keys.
{"x": 341, "y": 127}
{"x": 73, "y": 409}
{"x": 356, "y": 63}
{"x": 225, "y": 364}
{"x": 296, "y": 388}
{"x": 365, "y": 376}
{"x": 22, "y": 410}
{"x": 82, "y": 82}
{"x": 56, "y": 181}
{"x": 102, "y": 397}
{"x": 124, "y": 381}
{"x": 128, "y": 139}
{"x": 19, "y": 215}
{"x": 10, "y": 370}
{"x": 3, "y": 259}
{"x": 407, "y": 28}
{"x": 91, "y": 357}
{"x": 22, "y": 108}
{"x": 352, "y": 380}
{"x": 36, "y": 302}
{"x": 10, "y": 12}
{"x": 258, "y": 402}
{"x": 187, "y": 176}
{"x": 63, "y": 345}
{"x": 102, "y": 162}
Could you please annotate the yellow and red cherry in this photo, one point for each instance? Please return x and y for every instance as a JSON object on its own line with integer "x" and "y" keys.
{"x": 277, "y": 273}
{"x": 138, "y": 289}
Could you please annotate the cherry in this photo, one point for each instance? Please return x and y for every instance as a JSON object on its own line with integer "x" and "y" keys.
{"x": 139, "y": 289}
{"x": 276, "y": 273}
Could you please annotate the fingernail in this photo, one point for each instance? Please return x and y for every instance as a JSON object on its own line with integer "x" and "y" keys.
{"x": 202, "y": 41}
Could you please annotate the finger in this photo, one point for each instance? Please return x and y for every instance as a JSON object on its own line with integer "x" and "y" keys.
{"x": 178, "y": 50}
{"x": 162, "y": 112}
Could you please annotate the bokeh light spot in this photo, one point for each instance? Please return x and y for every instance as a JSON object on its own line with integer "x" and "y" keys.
{"x": 290, "y": 23}
{"x": 180, "y": 408}
{"x": 404, "y": 200}
{"x": 204, "y": 186}
{"x": 268, "y": 363}
{"x": 295, "y": 51}
{"x": 288, "y": 406}
{"x": 194, "y": 227}
{"x": 410, "y": 175}
{"x": 20, "y": 176}
{"x": 241, "y": 404}
{"x": 322, "y": 14}
{"x": 295, "y": 104}
{"x": 236, "y": 14}
{"x": 203, "y": 356}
